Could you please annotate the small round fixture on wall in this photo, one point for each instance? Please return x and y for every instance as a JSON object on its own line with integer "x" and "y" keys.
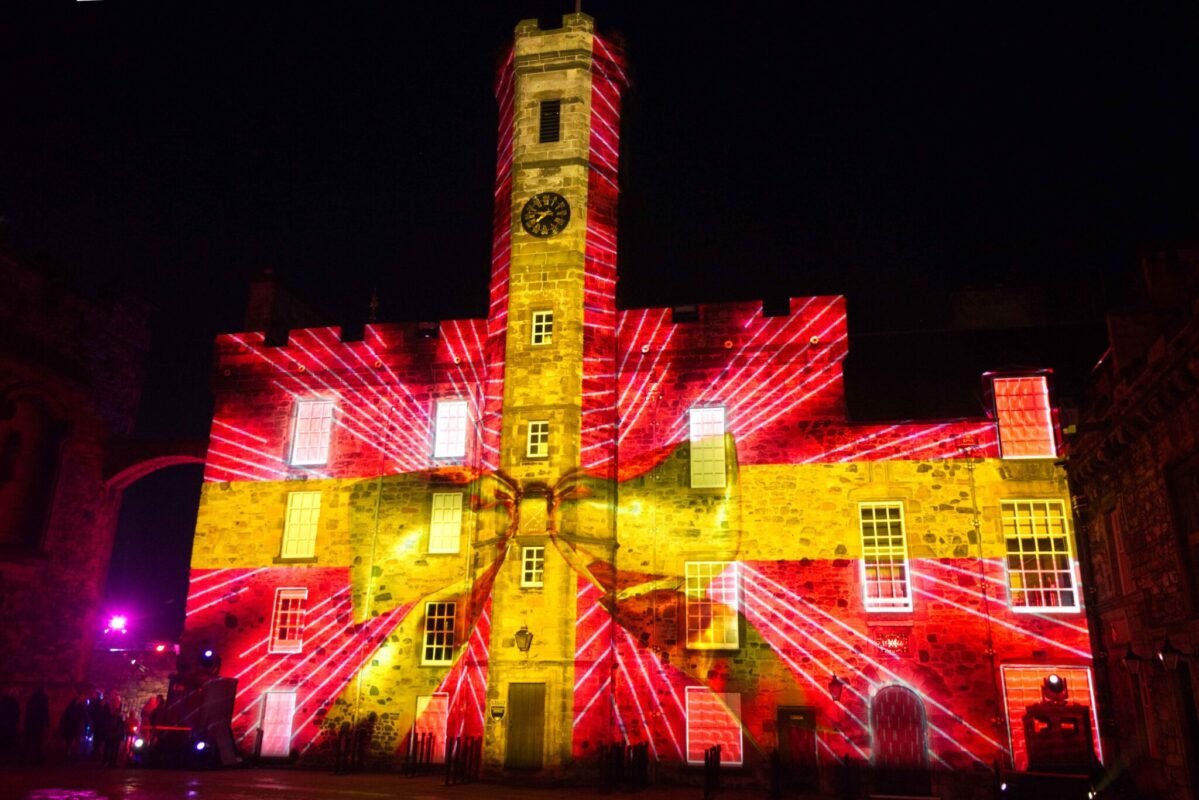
{"x": 228, "y": 372}
{"x": 378, "y": 365}
{"x": 814, "y": 340}
{"x": 457, "y": 360}
{"x": 302, "y": 368}
{"x": 644, "y": 348}
{"x": 728, "y": 344}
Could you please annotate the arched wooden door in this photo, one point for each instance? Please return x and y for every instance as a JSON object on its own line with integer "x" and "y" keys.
{"x": 900, "y": 742}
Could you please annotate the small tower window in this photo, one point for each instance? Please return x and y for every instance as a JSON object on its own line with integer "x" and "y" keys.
{"x": 551, "y": 121}
{"x": 539, "y": 439}
{"x": 543, "y": 327}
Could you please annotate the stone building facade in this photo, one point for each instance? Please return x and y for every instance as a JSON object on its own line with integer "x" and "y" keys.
{"x": 1134, "y": 466}
{"x": 570, "y": 525}
{"x": 70, "y": 381}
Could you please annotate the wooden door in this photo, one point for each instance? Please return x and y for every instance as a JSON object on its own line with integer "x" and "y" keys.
{"x": 900, "y": 742}
{"x": 526, "y": 726}
{"x": 797, "y": 749}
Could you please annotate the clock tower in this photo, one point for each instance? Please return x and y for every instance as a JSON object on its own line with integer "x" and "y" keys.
{"x": 553, "y": 319}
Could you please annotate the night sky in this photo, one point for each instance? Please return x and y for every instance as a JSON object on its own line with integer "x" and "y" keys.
{"x": 888, "y": 153}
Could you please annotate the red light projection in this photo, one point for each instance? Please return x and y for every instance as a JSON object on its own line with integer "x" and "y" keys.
{"x": 334, "y": 645}
{"x": 1025, "y": 418}
{"x": 799, "y": 634}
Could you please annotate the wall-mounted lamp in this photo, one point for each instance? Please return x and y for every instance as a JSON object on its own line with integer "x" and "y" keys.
{"x": 1169, "y": 655}
{"x": 1131, "y": 661}
{"x": 497, "y": 711}
{"x": 835, "y": 687}
{"x": 524, "y": 639}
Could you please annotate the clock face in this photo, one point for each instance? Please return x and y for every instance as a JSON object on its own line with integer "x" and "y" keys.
{"x": 545, "y": 214}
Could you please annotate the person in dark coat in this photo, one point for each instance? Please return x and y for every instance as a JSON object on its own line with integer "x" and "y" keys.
{"x": 70, "y": 725}
{"x": 37, "y": 722}
{"x": 101, "y": 722}
{"x": 10, "y": 727}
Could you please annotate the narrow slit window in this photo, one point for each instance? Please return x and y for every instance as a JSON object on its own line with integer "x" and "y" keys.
{"x": 543, "y": 327}
{"x": 539, "y": 439}
{"x": 551, "y": 122}
{"x": 707, "y": 447}
{"x": 445, "y": 523}
{"x": 449, "y": 436}
{"x": 885, "y": 583}
{"x": 300, "y": 525}
{"x": 312, "y": 431}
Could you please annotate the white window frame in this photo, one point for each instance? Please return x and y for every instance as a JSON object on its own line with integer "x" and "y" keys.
{"x": 312, "y": 430}
{"x": 712, "y": 590}
{"x": 537, "y": 444}
{"x": 542, "y": 328}
{"x": 1044, "y": 422}
{"x": 451, "y": 419}
{"x": 532, "y": 566}
{"x": 283, "y": 599}
{"x": 1038, "y": 530}
{"x": 732, "y": 702}
{"x": 271, "y": 737}
{"x": 301, "y": 525}
{"x": 423, "y": 701}
{"x": 445, "y": 523}
{"x": 438, "y": 641}
{"x": 880, "y": 552}
{"x": 707, "y": 429}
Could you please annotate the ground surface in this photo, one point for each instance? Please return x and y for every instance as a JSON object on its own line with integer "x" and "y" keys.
{"x": 94, "y": 783}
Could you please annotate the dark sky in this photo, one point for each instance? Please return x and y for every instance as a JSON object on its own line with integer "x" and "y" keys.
{"x": 886, "y": 152}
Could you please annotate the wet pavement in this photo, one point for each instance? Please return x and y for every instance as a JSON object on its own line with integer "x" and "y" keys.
{"x": 95, "y": 783}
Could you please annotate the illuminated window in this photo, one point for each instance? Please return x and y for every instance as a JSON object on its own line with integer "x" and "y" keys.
{"x": 713, "y": 601}
{"x": 550, "y": 129}
{"x": 445, "y": 523}
{"x": 278, "y": 713}
{"x": 539, "y": 439}
{"x": 432, "y": 718}
{"x": 287, "y": 622}
{"x": 313, "y": 426}
{"x": 707, "y": 447}
{"x": 713, "y": 718}
{"x": 450, "y": 433}
{"x": 532, "y": 569}
{"x": 543, "y": 327}
{"x": 1025, "y": 419}
{"x": 1022, "y": 688}
{"x": 439, "y": 634}
{"x": 299, "y": 526}
{"x": 1039, "y": 564}
{"x": 885, "y": 585}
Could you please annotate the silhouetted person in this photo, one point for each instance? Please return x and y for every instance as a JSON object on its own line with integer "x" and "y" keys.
{"x": 10, "y": 727}
{"x": 101, "y": 719}
{"x": 70, "y": 724}
{"x": 37, "y": 722}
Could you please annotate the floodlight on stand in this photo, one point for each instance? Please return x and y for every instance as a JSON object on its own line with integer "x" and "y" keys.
{"x": 1054, "y": 689}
